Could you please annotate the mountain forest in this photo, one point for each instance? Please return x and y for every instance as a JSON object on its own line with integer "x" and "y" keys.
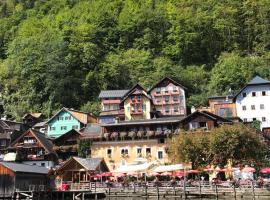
{"x": 56, "y": 53}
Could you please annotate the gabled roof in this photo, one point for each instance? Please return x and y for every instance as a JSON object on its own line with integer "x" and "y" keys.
{"x": 137, "y": 89}
{"x": 112, "y": 93}
{"x": 90, "y": 164}
{"x": 166, "y": 79}
{"x": 257, "y": 80}
{"x": 91, "y": 131}
{"x": 43, "y": 140}
{"x": 208, "y": 115}
{"x": 66, "y": 135}
{"x": 79, "y": 115}
{"x": 35, "y": 115}
{"x": 18, "y": 167}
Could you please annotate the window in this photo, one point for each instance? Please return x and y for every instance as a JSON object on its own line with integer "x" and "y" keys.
{"x": 124, "y": 151}
{"x": 123, "y": 162}
{"x": 245, "y": 119}
{"x": 139, "y": 152}
{"x": 157, "y": 90}
{"x": 160, "y": 155}
{"x": 132, "y": 98}
{"x": 167, "y": 109}
{"x": 167, "y": 99}
{"x": 202, "y": 124}
{"x": 263, "y": 93}
{"x": 63, "y": 128}
{"x": 161, "y": 140}
{"x": 244, "y": 94}
{"x": 144, "y": 107}
{"x": 226, "y": 112}
{"x": 75, "y": 127}
{"x": 106, "y": 107}
{"x": 254, "y": 119}
{"x": 128, "y": 108}
{"x": 166, "y": 90}
{"x": 115, "y": 107}
{"x": 66, "y": 118}
{"x": 109, "y": 153}
{"x": 174, "y": 88}
{"x": 42, "y": 164}
{"x": 61, "y": 118}
{"x": 252, "y": 107}
{"x": 175, "y": 98}
{"x": 263, "y": 119}
{"x": 3, "y": 143}
{"x": 139, "y": 98}
{"x": 261, "y": 106}
{"x": 254, "y": 94}
{"x": 175, "y": 108}
{"x": 244, "y": 108}
{"x": 148, "y": 151}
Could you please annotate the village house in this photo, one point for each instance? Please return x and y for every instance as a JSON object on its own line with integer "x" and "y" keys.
{"x": 80, "y": 170}
{"x": 16, "y": 176}
{"x": 169, "y": 97}
{"x": 9, "y": 131}
{"x": 33, "y": 148}
{"x": 66, "y": 120}
{"x": 110, "y": 106}
{"x": 30, "y": 119}
{"x": 252, "y": 102}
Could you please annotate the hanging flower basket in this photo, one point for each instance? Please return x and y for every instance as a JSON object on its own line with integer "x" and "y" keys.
{"x": 150, "y": 133}
{"x": 131, "y": 134}
{"x": 107, "y": 135}
{"x": 159, "y": 133}
{"x": 123, "y": 134}
{"x": 140, "y": 134}
{"x": 167, "y": 132}
{"x": 114, "y": 135}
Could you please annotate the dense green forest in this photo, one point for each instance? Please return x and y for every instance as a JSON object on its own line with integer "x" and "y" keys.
{"x": 56, "y": 53}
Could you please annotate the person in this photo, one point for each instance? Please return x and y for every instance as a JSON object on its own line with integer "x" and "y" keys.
{"x": 260, "y": 182}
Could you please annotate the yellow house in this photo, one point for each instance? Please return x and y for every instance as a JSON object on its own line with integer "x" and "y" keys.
{"x": 137, "y": 104}
{"x": 127, "y": 142}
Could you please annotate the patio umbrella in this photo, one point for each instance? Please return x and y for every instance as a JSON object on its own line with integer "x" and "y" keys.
{"x": 154, "y": 174}
{"x": 193, "y": 171}
{"x": 120, "y": 175}
{"x": 265, "y": 170}
{"x": 180, "y": 173}
{"x": 106, "y": 174}
{"x": 132, "y": 174}
{"x": 248, "y": 169}
{"x": 166, "y": 174}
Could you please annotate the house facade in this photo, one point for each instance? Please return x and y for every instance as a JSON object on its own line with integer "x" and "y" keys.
{"x": 66, "y": 120}
{"x": 34, "y": 148}
{"x": 252, "y": 102}
{"x": 169, "y": 97}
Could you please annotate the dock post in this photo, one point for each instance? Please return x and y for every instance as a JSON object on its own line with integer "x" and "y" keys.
{"x": 200, "y": 189}
{"x": 145, "y": 189}
{"x": 234, "y": 191}
{"x": 174, "y": 191}
{"x": 253, "y": 191}
{"x": 216, "y": 190}
{"x": 157, "y": 191}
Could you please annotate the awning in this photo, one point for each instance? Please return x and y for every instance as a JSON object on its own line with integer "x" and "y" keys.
{"x": 10, "y": 157}
{"x": 134, "y": 168}
{"x": 169, "y": 168}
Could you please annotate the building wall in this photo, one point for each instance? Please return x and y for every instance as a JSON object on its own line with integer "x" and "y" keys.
{"x": 6, "y": 181}
{"x": 222, "y": 107}
{"x": 62, "y": 123}
{"x": 144, "y": 115}
{"x": 110, "y": 104}
{"x": 42, "y": 163}
{"x": 248, "y": 115}
{"x": 116, "y": 159}
{"x": 168, "y": 108}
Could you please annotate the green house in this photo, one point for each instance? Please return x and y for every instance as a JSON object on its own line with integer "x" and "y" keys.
{"x": 66, "y": 120}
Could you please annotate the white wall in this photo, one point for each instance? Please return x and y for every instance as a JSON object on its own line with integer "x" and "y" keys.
{"x": 257, "y": 101}
{"x": 48, "y": 164}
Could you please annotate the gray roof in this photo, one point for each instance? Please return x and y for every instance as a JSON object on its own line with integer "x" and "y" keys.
{"x": 258, "y": 80}
{"x": 112, "y": 93}
{"x": 40, "y": 124}
{"x": 18, "y": 167}
{"x": 90, "y": 164}
{"x": 162, "y": 120}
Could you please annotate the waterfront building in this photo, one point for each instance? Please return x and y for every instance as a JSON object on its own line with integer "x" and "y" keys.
{"x": 252, "y": 102}
{"x": 68, "y": 119}
{"x": 34, "y": 148}
{"x": 169, "y": 97}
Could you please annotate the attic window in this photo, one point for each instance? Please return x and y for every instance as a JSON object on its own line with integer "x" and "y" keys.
{"x": 263, "y": 93}
{"x": 244, "y": 94}
{"x": 254, "y": 94}
{"x": 158, "y": 90}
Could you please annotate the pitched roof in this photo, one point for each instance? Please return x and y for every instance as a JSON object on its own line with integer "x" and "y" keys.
{"x": 166, "y": 79}
{"x": 208, "y": 115}
{"x": 66, "y": 135}
{"x": 44, "y": 141}
{"x": 79, "y": 115}
{"x": 18, "y": 167}
{"x": 112, "y": 93}
{"x": 91, "y": 131}
{"x": 162, "y": 120}
{"x": 257, "y": 80}
{"x": 136, "y": 89}
{"x": 39, "y": 124}
{"x": 36, "y": 115}
{"x": 90, "y": 164}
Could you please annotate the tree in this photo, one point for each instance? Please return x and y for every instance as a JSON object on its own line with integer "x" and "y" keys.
{"x": 239, "y": 143}
{"x": 84, "y": 148}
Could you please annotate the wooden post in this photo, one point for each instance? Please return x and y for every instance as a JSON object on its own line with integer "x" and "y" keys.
{"x": 63, "y": 195}
{"x": 145, "y": 189}
{"x": 83, "y": 196}
{"x": 174, "y": 191}
{"x": 184, "y": 185}
{"x": 253, "y": 192}
{"x": 157, "y": 191}
{"x": 234, "y": 191}
{"x": 200, "y": 189}
{"x": 216, "y": 190}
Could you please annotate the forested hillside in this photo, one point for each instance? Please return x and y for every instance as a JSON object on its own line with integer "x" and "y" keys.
{"x": 56, "y": 53}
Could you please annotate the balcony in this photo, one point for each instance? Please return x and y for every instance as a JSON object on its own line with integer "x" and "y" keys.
{"x": 111, "y": 101}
